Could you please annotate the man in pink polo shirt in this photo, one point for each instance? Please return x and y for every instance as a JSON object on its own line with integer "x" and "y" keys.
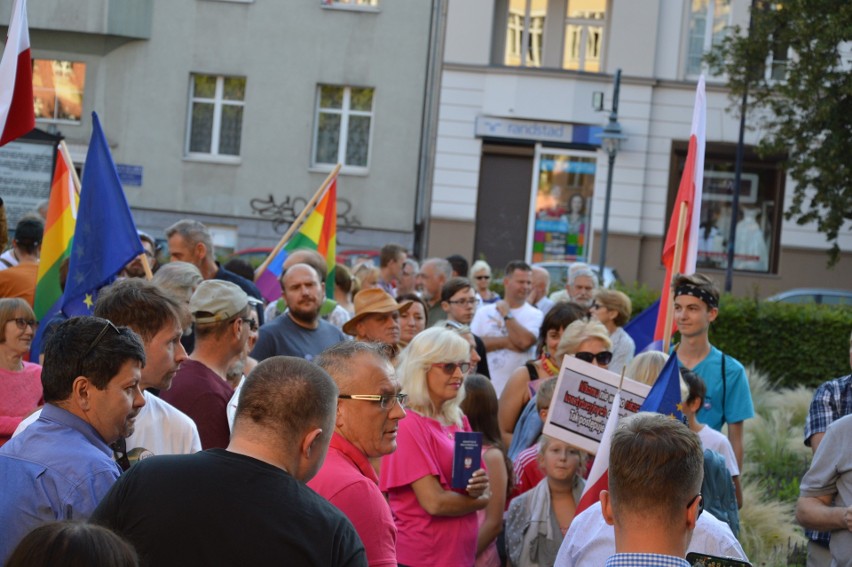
{"x": 368, "y": 412}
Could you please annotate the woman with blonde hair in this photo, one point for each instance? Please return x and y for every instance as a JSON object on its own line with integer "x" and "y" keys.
{"x": 646, "y": 367}
{"x": 480, "y": 275}
{"x": 613, "y": 309}
{"x": 20, "y": 381}
{"x": 436, "y": 525}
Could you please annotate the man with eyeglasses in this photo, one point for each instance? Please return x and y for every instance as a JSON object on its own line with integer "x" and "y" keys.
{"x": 656, "y": 465}
{"x": 459, "y": 302}
{"x": 369, "y": 408}
{"x": 161, "y": 428}
{"x": 200, "y": 389}
{"x": 299, "y": 331}
{"x": 61, "y": 466}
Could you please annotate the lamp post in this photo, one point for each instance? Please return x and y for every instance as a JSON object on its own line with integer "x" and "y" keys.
{"x": 611, "y": 138}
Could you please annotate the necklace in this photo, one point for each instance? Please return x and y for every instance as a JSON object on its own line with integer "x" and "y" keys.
{"x": 549, "y": 366}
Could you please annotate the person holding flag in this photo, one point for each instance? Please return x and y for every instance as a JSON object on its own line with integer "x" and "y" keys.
{"x": 728, "y": 399}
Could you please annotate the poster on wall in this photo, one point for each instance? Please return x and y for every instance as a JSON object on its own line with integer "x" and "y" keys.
{"x": 560, "y": 224}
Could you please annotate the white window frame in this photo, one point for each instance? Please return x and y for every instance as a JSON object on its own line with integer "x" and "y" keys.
{"x": 55, "y": 120}
{"x": 710, "y": 18}
{"x": 530, "y": 25}
{"x": 218, "y": 101}
{"x": 584, "y": 24}
{"x": 343, "y": 138}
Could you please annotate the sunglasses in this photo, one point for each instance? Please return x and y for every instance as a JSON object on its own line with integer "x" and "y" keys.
{"x": 700, "y": 504}
{"x": 24, "y": 323}
{"x": 603, "y": 358}
{"x": 483, "y": 277}
{"x": 449, "y": 368}
{"x": 251, "y": 323}
{"x": 93, "y": 345}
{"x": 473, "y": 301}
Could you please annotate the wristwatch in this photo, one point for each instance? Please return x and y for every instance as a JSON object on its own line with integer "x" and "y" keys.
{"x": 508, "y": 316}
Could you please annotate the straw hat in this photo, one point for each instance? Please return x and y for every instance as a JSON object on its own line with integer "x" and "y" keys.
{"x": 370, "y": 301}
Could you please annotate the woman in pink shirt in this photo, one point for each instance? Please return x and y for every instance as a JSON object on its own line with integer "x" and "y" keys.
{"x": 436, "y": 525}
{"x": 20, "y": 381}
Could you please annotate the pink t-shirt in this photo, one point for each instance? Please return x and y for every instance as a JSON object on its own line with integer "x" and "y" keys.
{"x": 20, "y": 394}
{"x": 425, "y": 447}
{"x": 347, "y": 480}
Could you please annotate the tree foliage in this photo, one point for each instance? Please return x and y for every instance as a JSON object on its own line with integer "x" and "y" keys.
{"x": 804, "y": 113}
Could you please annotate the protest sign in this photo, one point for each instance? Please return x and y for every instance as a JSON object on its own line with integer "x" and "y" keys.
{"x": 582, "y": 401}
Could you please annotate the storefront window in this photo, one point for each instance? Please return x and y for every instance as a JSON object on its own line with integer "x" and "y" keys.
{"x": 561, "y": 219}
{"x": 756, "y": 232}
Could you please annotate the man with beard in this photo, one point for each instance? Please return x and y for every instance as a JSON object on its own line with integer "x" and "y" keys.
{"x": 299, "y": 331}
{"x": 134, "y": 268}
{"x": 434, "y": 273}
{"x": 62, "y": 466}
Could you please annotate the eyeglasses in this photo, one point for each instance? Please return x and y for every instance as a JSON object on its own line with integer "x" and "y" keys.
{"x": 700, "y": 504}
{"x": 471, "y": 301}
{"x": 24, "y": 323}
{"x": 386, "y": 401}
{"x": 603, "y": 358}
{"x": 251, "y": 323}
{"x": 450, "y": 367}
{"x": 483, "y": 277}
{"x": 107, "y": 326}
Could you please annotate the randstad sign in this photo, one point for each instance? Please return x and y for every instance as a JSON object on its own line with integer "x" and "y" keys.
{"x": 492, "y": 127}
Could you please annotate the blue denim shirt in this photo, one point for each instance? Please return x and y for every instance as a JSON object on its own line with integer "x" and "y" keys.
{"x": 58, "y": 468}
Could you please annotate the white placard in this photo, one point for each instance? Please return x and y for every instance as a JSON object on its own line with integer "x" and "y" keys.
{"x": 582, "y": 401}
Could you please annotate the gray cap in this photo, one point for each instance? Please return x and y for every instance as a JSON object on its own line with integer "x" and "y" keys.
{"x": 222, "y": 299}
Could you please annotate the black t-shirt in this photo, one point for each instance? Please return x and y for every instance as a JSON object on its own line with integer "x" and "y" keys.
{"x": 221, "y": 508}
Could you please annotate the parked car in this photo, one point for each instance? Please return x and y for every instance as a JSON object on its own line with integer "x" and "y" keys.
{"x": 256, "y": 256}
{"x": 814, "y": 295}
{"x": 559, "y": 273}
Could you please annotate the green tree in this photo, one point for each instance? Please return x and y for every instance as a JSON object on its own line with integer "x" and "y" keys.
{"x": 800, "y": 104}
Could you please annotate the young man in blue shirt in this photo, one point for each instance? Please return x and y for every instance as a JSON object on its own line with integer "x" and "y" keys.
{"x": 728, "y": 398}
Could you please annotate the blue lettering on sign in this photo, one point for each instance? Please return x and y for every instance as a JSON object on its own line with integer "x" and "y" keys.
{"x": 129, "y": 174}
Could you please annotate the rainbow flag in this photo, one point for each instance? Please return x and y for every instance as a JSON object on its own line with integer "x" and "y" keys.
{"x": 58, "y": 233}
{"x": 319, "y": 232}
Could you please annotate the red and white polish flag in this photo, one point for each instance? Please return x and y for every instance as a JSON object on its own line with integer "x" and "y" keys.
{"x": 17, "y": 114}
{"x": 599, "y": 475}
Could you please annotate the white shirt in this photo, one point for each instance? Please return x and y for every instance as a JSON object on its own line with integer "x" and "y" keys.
{"x": 487, "y": 322}
{"x": 8, "y": 256}
{"x": 712, "y": 439}
{"x": 591, "y": 541}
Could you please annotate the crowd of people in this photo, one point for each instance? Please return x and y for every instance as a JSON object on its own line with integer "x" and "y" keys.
{"x": 189, "y": 422}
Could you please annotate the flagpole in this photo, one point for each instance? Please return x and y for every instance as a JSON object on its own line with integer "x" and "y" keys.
{"x": 63, "y": 148}
{"x": 298, "y": 222}
{"x": 678, "y": 254}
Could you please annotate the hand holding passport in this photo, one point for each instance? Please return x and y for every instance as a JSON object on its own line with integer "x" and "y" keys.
{"x": 467, "y": 458}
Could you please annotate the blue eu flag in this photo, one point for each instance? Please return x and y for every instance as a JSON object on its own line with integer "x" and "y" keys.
{"x": 105, "y": 239}
{"x": 664, "y": 396}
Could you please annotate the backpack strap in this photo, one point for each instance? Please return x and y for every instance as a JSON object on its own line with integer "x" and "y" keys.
{"x": 724, "y": 385}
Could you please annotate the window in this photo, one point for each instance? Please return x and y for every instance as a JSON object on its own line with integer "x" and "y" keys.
{"x": 579, "y": 40}
{"x": 215, "y": 115}
{"x": 58, "y": 88}
{"x": 525, "y": 33}
{"x": 584, "y": 29}
{"x": 708, "y": 23}
{"x": 343, "y": 124}
{"x": 757, "y": 232}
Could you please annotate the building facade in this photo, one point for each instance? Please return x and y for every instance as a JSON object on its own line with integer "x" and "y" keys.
{"x": 234, "y": 111}
{"x": 519, "y": 172}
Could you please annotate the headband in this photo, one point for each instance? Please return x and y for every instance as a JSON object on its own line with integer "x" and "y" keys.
{"x": 705, "y": 296}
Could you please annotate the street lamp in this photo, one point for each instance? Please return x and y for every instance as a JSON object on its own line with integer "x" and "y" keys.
{"x": 611, "y": 138}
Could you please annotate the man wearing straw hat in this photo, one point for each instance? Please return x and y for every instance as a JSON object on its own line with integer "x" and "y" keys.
{"x": 376, "y": 317}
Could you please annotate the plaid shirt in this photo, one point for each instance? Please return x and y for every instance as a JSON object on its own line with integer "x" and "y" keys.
{"x": 645, "y": 560}
{"x": 832, "y": 400}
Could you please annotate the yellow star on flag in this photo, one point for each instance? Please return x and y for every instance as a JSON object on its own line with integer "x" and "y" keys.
{"x": 88, "y": 301}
